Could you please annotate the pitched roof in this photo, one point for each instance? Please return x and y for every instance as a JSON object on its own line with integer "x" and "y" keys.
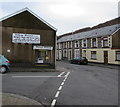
{"x": 26, "y": 9}
{"x": 107, "y": 23}
{"x": 103, "y": 31}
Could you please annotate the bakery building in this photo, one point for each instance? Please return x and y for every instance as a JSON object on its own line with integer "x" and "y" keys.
{"x": 28, "y": 39}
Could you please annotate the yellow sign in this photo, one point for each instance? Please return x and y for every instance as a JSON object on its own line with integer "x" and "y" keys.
{"x": 42, "y": 50}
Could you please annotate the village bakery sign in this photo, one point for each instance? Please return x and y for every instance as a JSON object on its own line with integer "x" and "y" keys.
{"x": 25, "y": 38}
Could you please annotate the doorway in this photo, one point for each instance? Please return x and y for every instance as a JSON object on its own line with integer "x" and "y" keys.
{"x": 105, "y": 57}
{"x": 70, "y": 55}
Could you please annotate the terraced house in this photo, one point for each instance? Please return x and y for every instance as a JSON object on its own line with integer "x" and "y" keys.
{"x": 98, "y": 44}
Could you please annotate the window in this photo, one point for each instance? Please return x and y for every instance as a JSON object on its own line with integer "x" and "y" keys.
{"x": 70, "y": 44}
{"x": 93, "y": 55}
{"x": 76, "y": 44}
{"x": 59, "y": 46}
{"x": 84, "y": 53}
{"x": 43, "y": 56}
{"x": 118, "y": 55}
{"x": 105, "y": 42}
{"x": 64, "y": 45}
{"x": 77, "y": 53}
{"x": 94, "y": 43}
{"x": 84, "y": 43}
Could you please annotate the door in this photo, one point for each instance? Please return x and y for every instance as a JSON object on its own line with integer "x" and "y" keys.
{"x": 70, "y": 55}
{"x": 105, "y": 57}
{"x": 60, "y": 55}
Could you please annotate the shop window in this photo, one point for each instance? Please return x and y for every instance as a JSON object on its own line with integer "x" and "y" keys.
{"x": 118, "y": 55}
{"x": 43, "y": 56}
{"x": 93, "y": 55}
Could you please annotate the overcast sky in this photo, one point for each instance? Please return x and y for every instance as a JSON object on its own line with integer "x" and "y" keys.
{"x": 65, "y": 15}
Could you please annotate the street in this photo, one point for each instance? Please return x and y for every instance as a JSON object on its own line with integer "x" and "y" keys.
{"x": 75, "y": 85}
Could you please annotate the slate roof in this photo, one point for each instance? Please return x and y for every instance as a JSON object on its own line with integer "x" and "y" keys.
{"x": 104, "y": 31}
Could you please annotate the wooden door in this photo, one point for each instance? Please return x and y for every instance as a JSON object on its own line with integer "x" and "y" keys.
{"x": 105, "y": 57}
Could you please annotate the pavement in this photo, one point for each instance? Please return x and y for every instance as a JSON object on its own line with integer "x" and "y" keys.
{"x": 34, "y": 69}
{"x": 14, "y": 99}
{"x": 111, "y": 66}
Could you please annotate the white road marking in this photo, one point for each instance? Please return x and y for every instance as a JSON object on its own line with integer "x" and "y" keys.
{"x": 67, "y": 74}
{"x": 53, "y": 103}
{"x": 57, "y": 94}
{"x": 61, "y": 74}
{"x": 60, "y": 88}
{"x": 35, "y": 76}
{"x": 64, "y": 80}
{"x": 62, "y": 83}
{"x": 43, "y": 76}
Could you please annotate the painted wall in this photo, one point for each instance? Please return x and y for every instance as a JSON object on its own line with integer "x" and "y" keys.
{"x": 100, "y": 55}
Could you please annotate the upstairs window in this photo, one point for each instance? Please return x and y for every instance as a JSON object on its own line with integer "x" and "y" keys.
{"x": 94, "y": 42}
{"x": 105, "y": 42}
{"x": 84, "y": 43}
{"x": 64, "y": 45}
{"x": 60, "y": 45}
{"x": 76, "y": 44}
{"x": 70, "y": 44}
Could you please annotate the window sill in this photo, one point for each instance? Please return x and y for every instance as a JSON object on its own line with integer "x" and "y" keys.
{"x": 106, "y": 47}
{"x": 93, "y": 58}
{"x": 94, "y": 47}
{"x": 117, "y": 60}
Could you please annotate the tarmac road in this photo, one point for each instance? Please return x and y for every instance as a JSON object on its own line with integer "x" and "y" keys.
{"x": 75, "y": 85}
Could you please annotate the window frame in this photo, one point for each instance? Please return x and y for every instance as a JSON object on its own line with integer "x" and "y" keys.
{"x": 70, "y": 44}
{"x": 84, "y": 43}
{"x": 116, "y": 55}
{"x": 93, "y": 52}
{"x": 94, "y": 42}
{"x": 105, "y": 40}
{"x": 77, "y": 44}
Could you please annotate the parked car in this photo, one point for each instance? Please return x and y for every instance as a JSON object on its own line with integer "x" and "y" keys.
{"x": 4, "y": 64}
{"x": 79, "y": 60}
